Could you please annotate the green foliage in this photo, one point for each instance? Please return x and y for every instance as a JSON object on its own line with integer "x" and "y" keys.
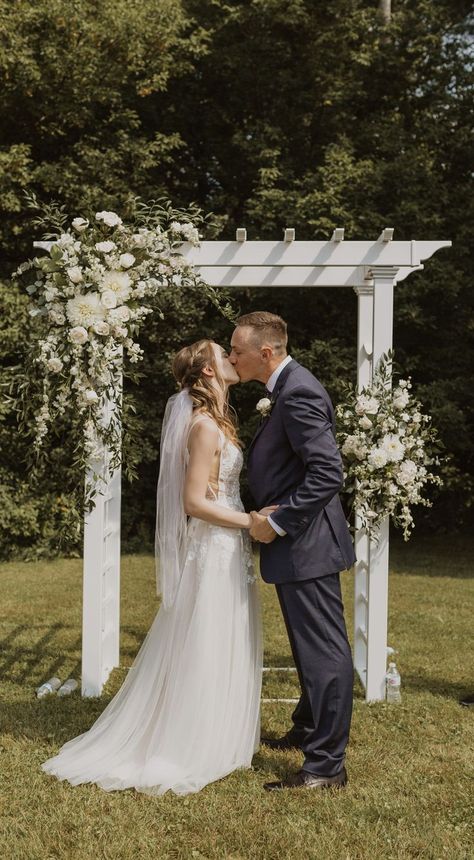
{"x": 269, "y": 113}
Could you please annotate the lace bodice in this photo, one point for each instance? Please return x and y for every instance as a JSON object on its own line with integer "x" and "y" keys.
{"x": 230, "y": 467}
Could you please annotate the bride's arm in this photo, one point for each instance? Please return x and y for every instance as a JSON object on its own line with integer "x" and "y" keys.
{"x": 203, "y": 444}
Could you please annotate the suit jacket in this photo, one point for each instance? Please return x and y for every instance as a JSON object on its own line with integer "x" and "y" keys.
{"x": 294, "y": 462}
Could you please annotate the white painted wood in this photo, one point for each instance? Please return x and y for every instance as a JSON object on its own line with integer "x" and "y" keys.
{"x": 347, "y": 253}
{"x": 365, "y": 303}
{"x": 283, "y": 276}
{"x": 101, "y": 576}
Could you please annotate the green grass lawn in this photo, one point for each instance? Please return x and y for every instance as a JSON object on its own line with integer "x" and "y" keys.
{"x": 410, "y": 766}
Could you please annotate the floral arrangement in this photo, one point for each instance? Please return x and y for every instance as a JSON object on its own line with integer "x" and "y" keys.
{"x": 388, "y": 447}
{"x": 90, "y": 292}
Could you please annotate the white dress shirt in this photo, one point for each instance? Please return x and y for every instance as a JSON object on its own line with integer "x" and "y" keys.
{"x": 270, "y": 386}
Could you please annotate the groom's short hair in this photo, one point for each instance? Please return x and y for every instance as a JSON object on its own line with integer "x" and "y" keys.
{"x": 267, "y": 328}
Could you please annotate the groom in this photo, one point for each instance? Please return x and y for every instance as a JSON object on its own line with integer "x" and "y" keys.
{"x": 294, "y": 463}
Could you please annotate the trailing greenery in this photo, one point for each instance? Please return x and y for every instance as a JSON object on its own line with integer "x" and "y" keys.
{"x": 410, "y": 766}
{"x": 268, "y": 114}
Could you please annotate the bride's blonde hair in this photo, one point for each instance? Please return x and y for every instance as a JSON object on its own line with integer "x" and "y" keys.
{"x": 187, "y": 366}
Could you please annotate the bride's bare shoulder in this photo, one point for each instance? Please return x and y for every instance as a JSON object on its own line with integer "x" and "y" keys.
{"x": 203, "y": 430}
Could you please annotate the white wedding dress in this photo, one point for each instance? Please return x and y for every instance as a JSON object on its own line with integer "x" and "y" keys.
{"x": 188, "y": 711}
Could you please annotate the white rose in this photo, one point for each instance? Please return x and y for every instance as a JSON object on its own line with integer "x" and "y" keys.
{"x": 120, "y": 331}
{"x": 264, "y": 406}
{"x": 365, "y": 422}
{"x": 80, "y": 224}
{"x": 119, "y": 282}
{"x": 105, "y": 247}
{"x": 74, "y": 274}
{"x": 377, "y": 458}
{"x": 370, "y": 405}
{"x": 54, "y": 364}
{"x": 90, "y": 396}
{"x": 109, "y": 218}
{"x": 85, "y": 310}
{"x": 101, "y": 328}
{"x": 126, "y": 260}
{"x": 393, "y": 448}
{"x": 78, "y": 334}
{"x": 109, "y": 299}
{"x": 65, "y": 239}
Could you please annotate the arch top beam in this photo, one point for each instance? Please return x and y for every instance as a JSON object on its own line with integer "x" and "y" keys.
{"x": 347, "y": 253}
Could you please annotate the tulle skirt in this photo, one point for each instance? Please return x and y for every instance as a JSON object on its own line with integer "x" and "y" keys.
{"x": 188, "y": 711}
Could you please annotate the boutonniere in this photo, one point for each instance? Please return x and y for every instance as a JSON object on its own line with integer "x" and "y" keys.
{"x": 264, "y": 406}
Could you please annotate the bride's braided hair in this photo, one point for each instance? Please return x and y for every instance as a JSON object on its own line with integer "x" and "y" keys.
{"x": 187, "y": 367}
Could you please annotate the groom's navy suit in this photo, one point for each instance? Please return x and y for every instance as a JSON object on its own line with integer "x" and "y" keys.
{"x": 294, "y": 463}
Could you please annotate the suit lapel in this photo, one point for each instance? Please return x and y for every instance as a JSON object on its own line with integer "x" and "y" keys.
{"x": 292, "y": 365}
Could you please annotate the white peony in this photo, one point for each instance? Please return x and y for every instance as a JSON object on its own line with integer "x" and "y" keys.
{"x": 90, "y": 396}
{"x": 377, "y": 458}
{"x": 126, "y": 260}
{"x": 407, "y": 472}
{"x": 105, "y": 247}
{"x": 80, "y": 224}
{"x": 101, "y": 328}
{"x": 55, "y": 364}
{"x": 109, "y": 218}
{"x": 85, "y": 310}
{"x": 393, "y": 448}
{"x": 78, "y": 335}
{"x": 74, "y": 274}
{"x": 364, "y": 404}
{"x": 109, "y": 299}
{"x": 119, "y": 283}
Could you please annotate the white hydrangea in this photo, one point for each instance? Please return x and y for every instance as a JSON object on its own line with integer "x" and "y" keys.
{"x": 109, "y": 218}
{"x": 54, "y": 364}
{"x": 105, "y": 247}
{"x": 407, "y": 472}
{"x": 377, "y": 457}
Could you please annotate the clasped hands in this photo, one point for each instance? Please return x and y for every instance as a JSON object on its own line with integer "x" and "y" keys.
{"x": 261, "y": 529}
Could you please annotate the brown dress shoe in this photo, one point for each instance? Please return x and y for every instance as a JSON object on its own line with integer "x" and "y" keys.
{"x": 304, "y": 779}
{"x": 284, "y": 743}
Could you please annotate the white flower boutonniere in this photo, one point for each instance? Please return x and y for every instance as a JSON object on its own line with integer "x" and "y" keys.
{"x": 264, "y": 406}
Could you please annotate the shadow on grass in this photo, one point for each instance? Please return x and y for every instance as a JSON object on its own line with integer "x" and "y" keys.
{"x": 433, "y": 556}
{"x": 436, "y": 686}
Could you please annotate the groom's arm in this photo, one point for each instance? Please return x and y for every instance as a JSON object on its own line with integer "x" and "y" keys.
{"x": 308, "y": 424}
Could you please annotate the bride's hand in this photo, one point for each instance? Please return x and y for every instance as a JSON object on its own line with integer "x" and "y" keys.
{"x": 268, "y": 510}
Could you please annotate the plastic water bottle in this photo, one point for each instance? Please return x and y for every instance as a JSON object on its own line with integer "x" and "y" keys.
{"x": 68, "y": 687}
{"x": 393, "y": 685}
{"x": 48, "y": 687}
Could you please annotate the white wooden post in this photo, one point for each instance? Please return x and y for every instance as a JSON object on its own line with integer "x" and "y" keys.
{"x": 101, "y": 586}
{"x": 377, "y": 596}
{"x": 365, "y": 308}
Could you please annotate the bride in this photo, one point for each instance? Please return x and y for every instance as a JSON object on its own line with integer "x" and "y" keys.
{"x": 188, "y": 711}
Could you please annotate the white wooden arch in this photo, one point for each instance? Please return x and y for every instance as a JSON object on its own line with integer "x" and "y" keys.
{"x": 372, "y": 269}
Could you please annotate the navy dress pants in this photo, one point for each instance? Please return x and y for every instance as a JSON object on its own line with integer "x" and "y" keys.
{"x": 314, "y": 618}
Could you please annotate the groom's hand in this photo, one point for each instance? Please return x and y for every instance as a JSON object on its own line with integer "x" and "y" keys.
{"x": 261, "y": 529}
